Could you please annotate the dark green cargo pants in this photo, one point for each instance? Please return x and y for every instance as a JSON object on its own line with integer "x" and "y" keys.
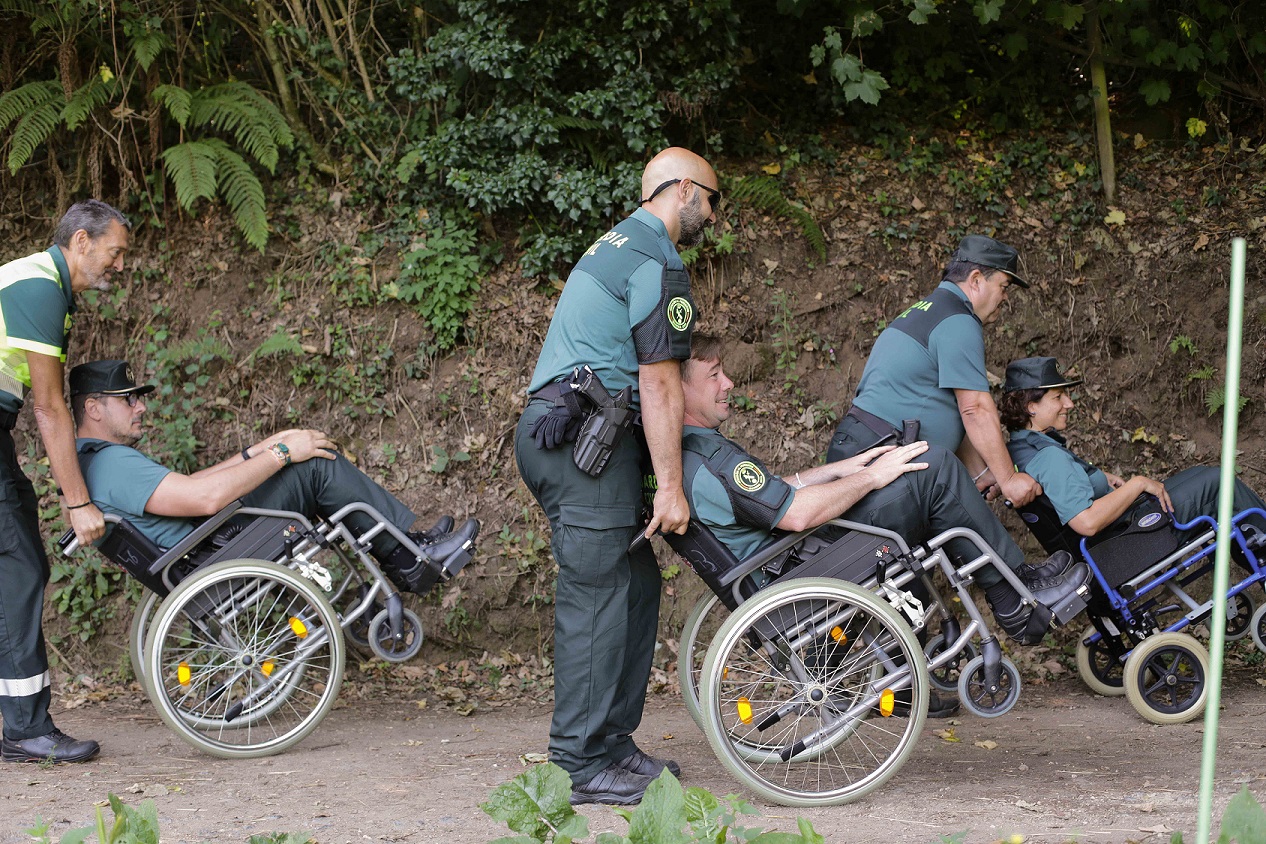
{"x": 606, "y": 600}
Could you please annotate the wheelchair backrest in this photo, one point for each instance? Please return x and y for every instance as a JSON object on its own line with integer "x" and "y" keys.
{"x": 1052, "y": 534}
{"x": 136, "y": 553}
{"x": 708, "y": 557}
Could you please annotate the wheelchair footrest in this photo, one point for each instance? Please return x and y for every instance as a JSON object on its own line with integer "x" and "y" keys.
{"x": 1072, "y": 606}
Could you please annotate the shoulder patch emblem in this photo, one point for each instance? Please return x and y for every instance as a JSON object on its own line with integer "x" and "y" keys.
{"x": 679, "y": 313}
{"x": 749, "y": 476}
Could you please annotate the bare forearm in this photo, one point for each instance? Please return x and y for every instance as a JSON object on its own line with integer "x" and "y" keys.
{"x": 662, "y": 409}
{"x": 57, "y": 431}
{"x": 1106, "y": 510}
{"x": 984, "y": 435}
{"x": 817, "y": 504}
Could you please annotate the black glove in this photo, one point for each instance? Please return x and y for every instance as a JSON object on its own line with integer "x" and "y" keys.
{"x": 555, "y": 428}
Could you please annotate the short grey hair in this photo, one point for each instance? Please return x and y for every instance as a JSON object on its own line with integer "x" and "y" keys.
{"x": 91, "y": 215}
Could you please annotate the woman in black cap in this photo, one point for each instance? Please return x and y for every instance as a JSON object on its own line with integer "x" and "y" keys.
{"x": 1034, "y": 407}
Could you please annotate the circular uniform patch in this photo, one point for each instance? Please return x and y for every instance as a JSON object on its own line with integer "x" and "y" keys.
{"x": 749, "y": 476}
{"x": 679, "y": 313}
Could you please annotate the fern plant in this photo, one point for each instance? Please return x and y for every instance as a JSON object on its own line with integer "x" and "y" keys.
{"x": 208, "y": 166}
{"x": 765, "y": 193}
{"x": 37, "y": 109}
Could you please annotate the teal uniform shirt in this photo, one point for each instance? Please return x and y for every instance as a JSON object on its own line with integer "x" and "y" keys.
{"x": 121, "y": 481}
{"x": 733, "y": 493}
{"x": 36, "y": 304}
{"x": 613, "y": 289}
{"x": 1071, "y": 484}
{"x": 932, "y": 348}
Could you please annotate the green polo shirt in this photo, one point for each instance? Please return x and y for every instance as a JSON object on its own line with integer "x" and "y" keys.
{"x": 746, "y": 530}
{"x": 1070, "y": 486}
{"x": 918, "y": 362}
{"x": 121, "y": 480}
{"x": 36, "y": 303}
{"x": 613, "y": 287}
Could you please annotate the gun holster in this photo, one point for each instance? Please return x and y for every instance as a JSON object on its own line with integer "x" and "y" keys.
{"x": 602, "y": 430}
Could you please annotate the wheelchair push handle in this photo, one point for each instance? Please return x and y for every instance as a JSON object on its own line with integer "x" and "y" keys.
{"x": 69, "y": 544}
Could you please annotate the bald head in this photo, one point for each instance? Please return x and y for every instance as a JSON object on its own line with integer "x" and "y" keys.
{"x": 681, "y": 189}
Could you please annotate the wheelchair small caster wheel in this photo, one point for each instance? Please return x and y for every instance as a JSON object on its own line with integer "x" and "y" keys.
{"x": 1258, "y": 628}
{"x": 981, "y": 698}
{"x": 945, "y": 679}
{"x": 1167, "y": 678}
{"x": 1240, "y": 612}
{"x": 396, "y": 648}
{"x": 1098, "y": 667}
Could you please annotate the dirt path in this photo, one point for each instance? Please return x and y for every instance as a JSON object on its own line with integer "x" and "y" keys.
{"x": 1068, "y": 766}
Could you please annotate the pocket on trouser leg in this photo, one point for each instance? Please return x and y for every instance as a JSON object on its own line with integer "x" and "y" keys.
{"x": 592, "y": 543}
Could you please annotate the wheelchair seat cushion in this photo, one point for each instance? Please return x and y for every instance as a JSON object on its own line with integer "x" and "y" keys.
{"x": 1142, "y": 537}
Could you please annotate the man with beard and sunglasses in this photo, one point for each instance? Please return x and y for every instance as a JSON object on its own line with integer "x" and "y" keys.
{"x": 627, "y": 314}
{"x": 36, "y": 303}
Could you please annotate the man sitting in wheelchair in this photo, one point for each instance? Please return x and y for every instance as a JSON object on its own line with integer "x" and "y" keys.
{"x": 296, "y": 470}
{"x": 742, "y": 503}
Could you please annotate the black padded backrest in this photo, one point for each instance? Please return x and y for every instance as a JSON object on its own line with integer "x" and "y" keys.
{"x": 1043, "y": 522}
{"x": 135, "y": 552}
{"x": 708, "y": 557}
{"x": 251, "y": 537}
{"x": 1142, "y": 537}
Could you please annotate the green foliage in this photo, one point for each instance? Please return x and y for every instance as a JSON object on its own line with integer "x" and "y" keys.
{"x": 536, "y": 805}
{"x": 440, "y": 277}
{"x": 1215, "y": 400}
{"x": 138, "y": 825}
{"x": 37, "y": 110}
{"x": 764, "y": 193}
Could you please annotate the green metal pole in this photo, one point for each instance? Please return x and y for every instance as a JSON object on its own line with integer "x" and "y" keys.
{"x": 1222, "y": 558}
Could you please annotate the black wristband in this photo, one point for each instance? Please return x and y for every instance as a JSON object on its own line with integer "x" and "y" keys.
{"x": 79, "y": 506}
{"x": 246, "y": 453}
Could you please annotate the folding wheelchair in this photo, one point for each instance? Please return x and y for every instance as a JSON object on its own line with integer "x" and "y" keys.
{"x": 813, "y": 689}
{"x": 239, "y": 640}
{"x": 1141, "y": 602}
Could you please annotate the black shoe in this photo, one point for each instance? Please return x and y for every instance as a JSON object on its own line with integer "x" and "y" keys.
{"x": 454, "y": 551}
{"x": 54, "y": 747}
{"x": 1055, "y": 565}
{"x": 434, "y": 533}
{"x": 648, "y": 766}
{"x": 614, "y": 786}
{"x": 1027, "y": 626}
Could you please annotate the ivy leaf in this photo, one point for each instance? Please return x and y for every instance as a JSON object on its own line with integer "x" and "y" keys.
{"x": 1155, "y": 91}
{"x": 867, "y": 89}
{"x": 988, "y": 11}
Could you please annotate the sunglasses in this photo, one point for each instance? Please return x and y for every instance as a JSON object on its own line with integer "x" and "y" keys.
{"x": 714, "y": 195}
{"x": 130, "y": 398}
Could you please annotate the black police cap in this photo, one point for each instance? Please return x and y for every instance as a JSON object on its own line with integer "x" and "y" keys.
{"x": 111, "y": 377}
{"x": 978, "y": 249}
{"x": 1036, "y": 374}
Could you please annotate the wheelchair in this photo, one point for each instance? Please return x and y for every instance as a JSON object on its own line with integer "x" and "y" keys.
{"x": 1141, "y": 604}
{"x": 239, "y": 641}
{"x": 814, "y": 688}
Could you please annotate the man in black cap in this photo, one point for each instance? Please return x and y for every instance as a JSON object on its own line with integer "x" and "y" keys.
{"x": 297, "y": 470}
{"x": 929, "y": 365}
{"x": 36, "y": 304}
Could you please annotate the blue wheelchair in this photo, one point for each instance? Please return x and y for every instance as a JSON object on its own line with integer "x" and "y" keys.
{"x": 1139, "y": 643}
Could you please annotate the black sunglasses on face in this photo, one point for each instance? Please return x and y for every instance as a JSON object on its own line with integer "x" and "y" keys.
{"x": 714, "y": 195}
{"x": 130, "y": 398}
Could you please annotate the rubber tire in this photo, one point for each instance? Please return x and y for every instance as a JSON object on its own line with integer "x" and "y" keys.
{"x": 1257, "y": 627}
{"x": 142, "y": 619}
{"x": 1236, "y": 632}
{"x": 1147, "y": 656}
{"x": 690, "y": 649}
{"x": 1089, "y": 672}
{"x": 946, "y": 680}
{"x": 386, "y": 647}
{"x": 188, "y": 727}
{"x": 973, "y": 695}
{"x": 736, "y": 756}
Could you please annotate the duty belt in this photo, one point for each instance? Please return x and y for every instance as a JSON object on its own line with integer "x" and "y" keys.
{"x": 879, "y": 427}
{"x": 550, "y": 392}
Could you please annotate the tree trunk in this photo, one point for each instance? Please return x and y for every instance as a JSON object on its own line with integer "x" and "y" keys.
{"x": 265, "y": 13}
{"x": 1103, "y": 118}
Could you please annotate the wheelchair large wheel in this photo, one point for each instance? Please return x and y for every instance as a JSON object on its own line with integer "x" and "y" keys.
{"x": 696, "y": 634}
{"x": 814, "y": 692}
{"x": 1098, "y": 667}
{"x": 142, "y": 618}
{"x": 1167, "y": 678}
{"x": 244, "y": 659}
{"x": 945, "y": 679}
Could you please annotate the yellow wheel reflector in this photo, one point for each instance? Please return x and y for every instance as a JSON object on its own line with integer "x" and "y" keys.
{"x": 300, "y": 629}
{"x": 725, "y": 673}
{"x": 745, "y": 710}
{"x": 837, "y": 634}
{"x": 886, "y": 701}
{"x": 183, "y": 674}
{"x": 268, "y": 667}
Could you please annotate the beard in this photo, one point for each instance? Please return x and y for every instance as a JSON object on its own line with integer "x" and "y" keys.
{"x": 693, "y": 222}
